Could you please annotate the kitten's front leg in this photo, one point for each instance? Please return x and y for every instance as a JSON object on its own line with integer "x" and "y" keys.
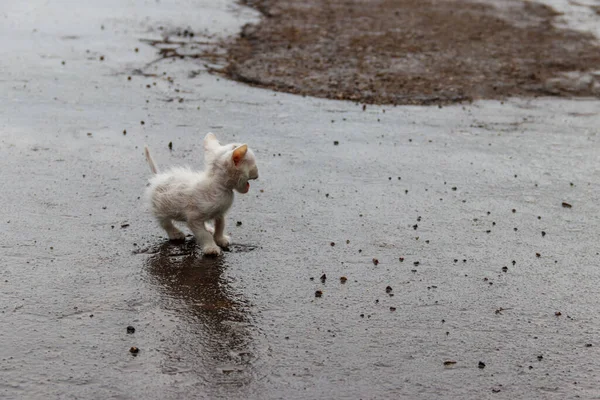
{"x": 221, "y": 239}
{"x": 204, "y": 238}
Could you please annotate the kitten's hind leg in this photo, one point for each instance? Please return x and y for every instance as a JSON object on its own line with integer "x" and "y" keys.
{"x": 221, "y": 239}
{"x": 204, "y": 238}
{"x": 172, "y": 231}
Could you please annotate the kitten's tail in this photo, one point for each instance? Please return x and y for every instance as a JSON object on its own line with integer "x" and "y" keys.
{"x": 150, "y": 160}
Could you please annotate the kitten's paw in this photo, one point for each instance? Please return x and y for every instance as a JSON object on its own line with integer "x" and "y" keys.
{"x": 211, "y": 250}
{"x": 176, "y": 235}
{"x": 209, "y": 227}
{"x": 223, "y": 241}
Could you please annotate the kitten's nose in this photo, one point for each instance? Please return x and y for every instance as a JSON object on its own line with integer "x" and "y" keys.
{"x": 254, "y": 173}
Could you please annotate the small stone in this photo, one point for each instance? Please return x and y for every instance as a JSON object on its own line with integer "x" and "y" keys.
{"x": 375, "y": 261}
{"x": 505, "y": 269}
{"x": 401, "y": 259}
{"x": 566, "y": 205}
{"x": 588, "y": 345}
{"x": 514, "y": 211}
{"x": 332, "y": 244}
{"x": 416, "y": 263}
{"x": 134, "y": 350}
{"x": 558, "y": 313}
{"x": 538, "y": 255}
{"x": 481, "y": 365}
{"x": 335, "y": 142}
{"x": 323, "y": 278}
{"x": 130, "y": 329}
{"x": 343, "y": 279}
{"x": 239, "y": 223}
{"x": 543, "y": 233}
{"x": 540, "y": 358}
{"x": 318, "y": 293}
{"x": 449, "y": 362}
{"x": 388, "y": 289}
{"x": 170, "y": 145}
{"x": 392, "y": 308}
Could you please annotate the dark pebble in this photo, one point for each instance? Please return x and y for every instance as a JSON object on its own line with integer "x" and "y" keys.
{"x": 543, "y": 233}
{"x": 481, "y": 365}
{"x": 323, "y": 278}
{"x": 318, "y": 293}
{"x": 239, "y": 223}
{"x": 130, "y": 329}
{"x": 335, "y": 142}
{"x": 375, "y": 261}
{"x": 170, "y": 145}
{"x": 392, "y": 308}
{"x": 566, "y": 205}
{"x": 388, "y": 289}
{"x": 134, "y": 350}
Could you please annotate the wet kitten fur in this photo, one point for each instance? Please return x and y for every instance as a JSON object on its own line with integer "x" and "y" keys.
{"x": 199, "y": 197}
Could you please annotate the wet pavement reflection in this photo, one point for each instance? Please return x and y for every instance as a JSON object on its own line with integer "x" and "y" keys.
{"x": 217, "y": 319}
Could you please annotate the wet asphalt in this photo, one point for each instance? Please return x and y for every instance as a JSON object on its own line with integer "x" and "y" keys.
{"x": 459, "y": 210}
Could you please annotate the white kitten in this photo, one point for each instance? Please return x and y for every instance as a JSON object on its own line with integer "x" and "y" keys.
{"x": 196, "y": 198}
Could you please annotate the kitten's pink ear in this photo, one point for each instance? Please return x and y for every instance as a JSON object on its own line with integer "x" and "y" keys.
{"x": 239, "y": 153}
{"x": 210, "y": 141}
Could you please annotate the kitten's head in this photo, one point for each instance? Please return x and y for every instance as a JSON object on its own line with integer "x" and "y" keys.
{"x": 235, "y": 161}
